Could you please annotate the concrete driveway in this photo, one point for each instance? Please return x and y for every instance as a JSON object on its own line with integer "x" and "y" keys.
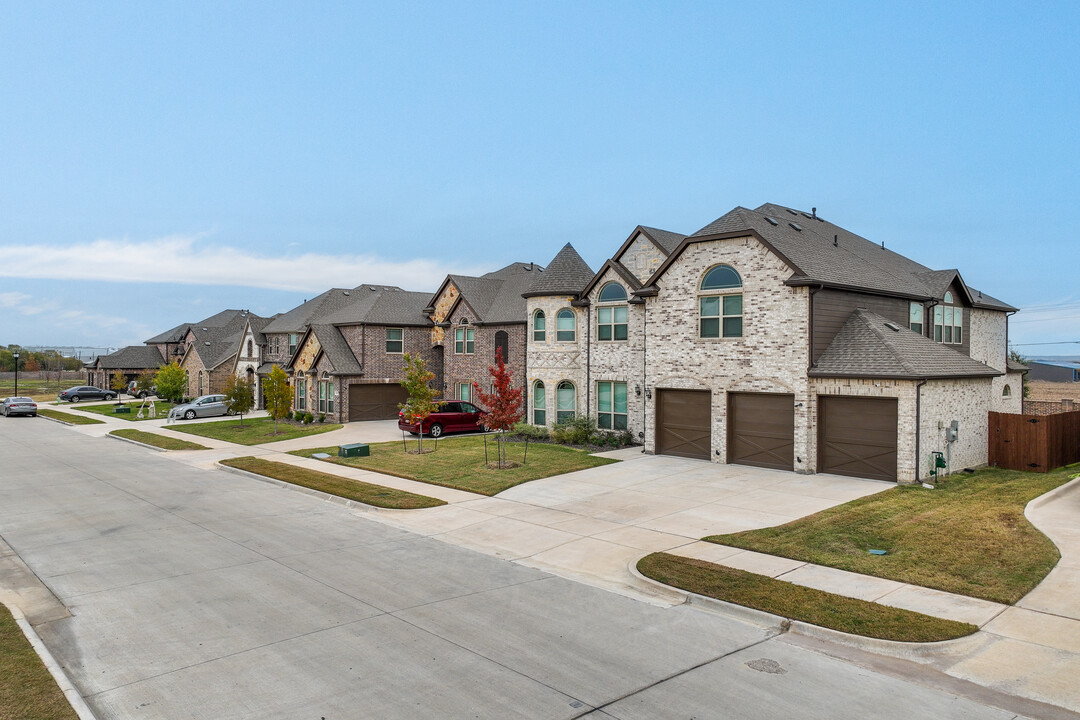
{"x": 201, "y": 595}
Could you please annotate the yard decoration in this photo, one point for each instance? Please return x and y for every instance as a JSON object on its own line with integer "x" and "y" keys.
{"x": 171, "y": 382}
{"x": 278, "y": 395}
{"x": 240, "y": 397}
{"x": 503, "y": 404}
{"x": 421, "y": 402}
{"x": 118, "y": 383}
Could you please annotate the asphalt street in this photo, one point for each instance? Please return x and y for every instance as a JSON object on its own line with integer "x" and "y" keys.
{"x": 198, "y": 594}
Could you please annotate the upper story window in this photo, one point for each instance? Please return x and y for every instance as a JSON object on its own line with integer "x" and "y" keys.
{"x": 949, "y": 322}
{"x": 539, "y": 326}
{"x": 720, "y": 306}
{"x": 611, "y": 319}
{"x": 464, "y": 339}
{"x": 250, "y": 352}
{"x": 565, "y": 326}
{"x": 502, "y": 343}
{"x": 292, "y": 343}
{"x": 395, "y": 342}
{"x": 915, "y": 317}
{"x": 1006, "y": 391}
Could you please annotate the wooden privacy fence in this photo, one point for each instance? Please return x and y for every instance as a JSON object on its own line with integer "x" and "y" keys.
{"x": 1036, "y": 443}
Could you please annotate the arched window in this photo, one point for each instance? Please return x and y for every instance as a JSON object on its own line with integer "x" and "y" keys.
{"x": 949, "y": 321}
{"x": 565, "y": 401}
{"x": 200, "y": 382}
{"x": 539, "y": 326}
{"x": 1006, "y": 391}
{"x": 301, "y": 391}
{"x": 720, "y": 303}
{"x": 539, "y": 404}
{"x": 611, "y": 319}
{"x": 249, "y": 348}
{"x": 566, "y": 326}
{"x": 612, "y": 292}
{"x": 502, "y": 342}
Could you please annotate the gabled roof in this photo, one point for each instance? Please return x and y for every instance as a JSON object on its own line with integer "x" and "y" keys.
{"x": 821, "y": 253}
{"x": 333, "y": 345}
{"x": 497, "y": 297}
{"x": 871, "y": 346}
{"x": 173, "y": 335}
{"x": 178, "y": 333}
{"x": 1013, "y": 366}
{"x": 566, "y": 274}
{"x": 133, "y": 357}
{"x": 666, "y": 240}
{"x": 216, "y": 343}
{"x": 318, "y": 308}
{"x": 382, "y": 305}
{"x": 620, "y": 270}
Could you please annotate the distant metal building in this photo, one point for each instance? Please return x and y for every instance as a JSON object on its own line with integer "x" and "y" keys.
{"x": 1054, "y": 371}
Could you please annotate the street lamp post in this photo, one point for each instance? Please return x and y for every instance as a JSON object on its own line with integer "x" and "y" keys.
{"x": 16, "y": 356}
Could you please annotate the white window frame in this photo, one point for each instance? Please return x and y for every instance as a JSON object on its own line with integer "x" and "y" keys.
{"x": 539, "y": 329}
{"x": 400, "y": 340}
{"x": 539, "y": 403}
{"x": 609, "y": 418}
{"x": 561, "y": 414}
{"x": 464, "y": 341}
{"x": 566, "y": 335}
{"x": 917, "y": 317}
{"x": 464, "y": 391}
{"x": 720, "y": 295}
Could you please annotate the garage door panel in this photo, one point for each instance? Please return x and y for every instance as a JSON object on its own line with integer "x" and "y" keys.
{"x": 684, "y": 423}
{"x": 761, "y": 430}
{"x": 857, "y": 437}
{"x": 375, "y": 402}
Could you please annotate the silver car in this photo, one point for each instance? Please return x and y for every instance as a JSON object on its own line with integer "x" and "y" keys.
{"x": 205, "y": 406}
{"x": 19, "y": 406}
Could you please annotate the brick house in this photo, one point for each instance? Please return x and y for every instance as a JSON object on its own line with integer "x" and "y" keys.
{"x": 132, "y": 361}
{"x": 471, "y": 317}
{"x": 348, "y": 364}
{"x": 249, "y": 354}
{"x": 211, "y": 348}
{"x": 773, "y": 338}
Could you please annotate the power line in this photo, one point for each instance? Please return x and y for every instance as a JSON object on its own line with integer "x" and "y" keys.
{"x": 1060, "y": 342}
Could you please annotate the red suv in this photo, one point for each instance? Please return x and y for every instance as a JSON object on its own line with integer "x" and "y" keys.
{"x": 452, "y": 416}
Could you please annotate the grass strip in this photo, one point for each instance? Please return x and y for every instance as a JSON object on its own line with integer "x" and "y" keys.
{"x": 817, "y": 607}
{"x": 161, "y": 407}
{"x": 254, "y": 431}
{"x": 27, "y": 690}
{"x": 69, "y": 418}
{"x": 969, "y": 536}
{"x": 165, "y": 443}
{"x": 348, "y": 488}
{"x": 459, "y": 463}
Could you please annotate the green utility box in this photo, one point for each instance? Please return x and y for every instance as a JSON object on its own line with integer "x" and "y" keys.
{"x": 122, "y": 409}
{"x": 353, "y": 450}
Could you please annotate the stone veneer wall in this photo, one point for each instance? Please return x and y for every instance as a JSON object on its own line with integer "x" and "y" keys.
{"x": 550, "y": 361}
{"x": 252, "y": 361}
{"x": 772, "y": 355}
{"x": 642, "y": 258}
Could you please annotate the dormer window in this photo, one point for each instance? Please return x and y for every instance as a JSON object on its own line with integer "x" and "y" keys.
{"x": 720, "y": 303}
{"x": 916, "y": 313}
{"x": 949, "y": 321}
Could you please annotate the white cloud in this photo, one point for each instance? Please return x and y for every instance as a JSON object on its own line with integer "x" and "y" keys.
{"x": 26, "y": 305}
{"x": 189, "y": 260}
{"x": 11, "y": 300}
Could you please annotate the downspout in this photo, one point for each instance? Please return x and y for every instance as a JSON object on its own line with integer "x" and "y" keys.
{"x": 588, "y": 360}
{"x": 644, "y": 369}
{"x": 918, "y": 425}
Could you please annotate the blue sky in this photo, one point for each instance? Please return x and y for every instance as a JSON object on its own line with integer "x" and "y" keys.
{"x": 159, "y": 163}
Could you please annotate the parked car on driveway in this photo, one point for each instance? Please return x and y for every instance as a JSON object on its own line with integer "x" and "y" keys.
{"x": 204, "y": 406}
{"x": 85, "y": 392}
{"x": 19, "y": 406}
{"x": 452, "y": 416}
{"x": 141, "y": 393}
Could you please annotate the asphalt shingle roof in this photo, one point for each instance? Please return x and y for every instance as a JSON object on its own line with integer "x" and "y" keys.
{"x": 868, "y": 346}
{"x": 497, "y": 297}
{"x": 215, "y": 342}
{"x": 665, "y": 238}
{"x": 382, "y": 305}
{"x": 320, "y": 307}
{"x": 133, "y": 357}
{"x": 566, "y": 274}
{"x": 337, "y": 350}
{"x": 822, "y": 252}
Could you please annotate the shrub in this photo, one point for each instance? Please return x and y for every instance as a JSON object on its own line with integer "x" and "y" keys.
{"x": 322, "y": 417}
{"x": 288, "y": 415}
{"x": 575, "y": 431}
{"x": 308, "y": 418}
{"x": 533, "y": 432}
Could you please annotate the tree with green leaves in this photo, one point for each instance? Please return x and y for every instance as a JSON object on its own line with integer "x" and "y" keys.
{"x": 1015, "y": 356}
{"x": 118, "y": 383}
{"x": 171, "y": 381}
{"x": 421, "y": 402}
{"x": 240, "y": 397}
{"x": 502, "y": 404}
{"x": 278, "y": 395}
{"x": 145, "y": 382}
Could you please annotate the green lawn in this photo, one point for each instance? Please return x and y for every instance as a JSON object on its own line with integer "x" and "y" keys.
{"x": 255, "y": 431}
{"x": 366, "y": 493}
{"x": 27, "y": 690}
{"x": 39, "y": 390}
{"x": 969, "y": 536}
{"x": 459, "y": 463}
{"x": 161, "y": 441}
{"x": 162, "y": 408}
{"x": 68, "y": 417}
{"x": 857, "y": 617}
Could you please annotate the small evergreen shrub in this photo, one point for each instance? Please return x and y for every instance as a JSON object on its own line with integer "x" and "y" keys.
{"x": 322, "y": 417}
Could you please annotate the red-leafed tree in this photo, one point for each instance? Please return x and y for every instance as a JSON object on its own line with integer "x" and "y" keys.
{"x": 503, "y": 404}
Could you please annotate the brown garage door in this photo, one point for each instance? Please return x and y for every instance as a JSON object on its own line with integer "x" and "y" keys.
{"x": 761, "y": 430}
{"x": 375, "y": 402}
{"x": 684, "y": 423}
{"x": 857, "y": 436}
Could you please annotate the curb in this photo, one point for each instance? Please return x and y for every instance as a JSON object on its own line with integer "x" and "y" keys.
{"x": 891, "y": 648}
{"x": 336, "y": 499}
{"x": 1051, "y": 496}
{"x": 134, "y": 442}
{"x": 59, "y": 422}
{"x": 78, "y": 704}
